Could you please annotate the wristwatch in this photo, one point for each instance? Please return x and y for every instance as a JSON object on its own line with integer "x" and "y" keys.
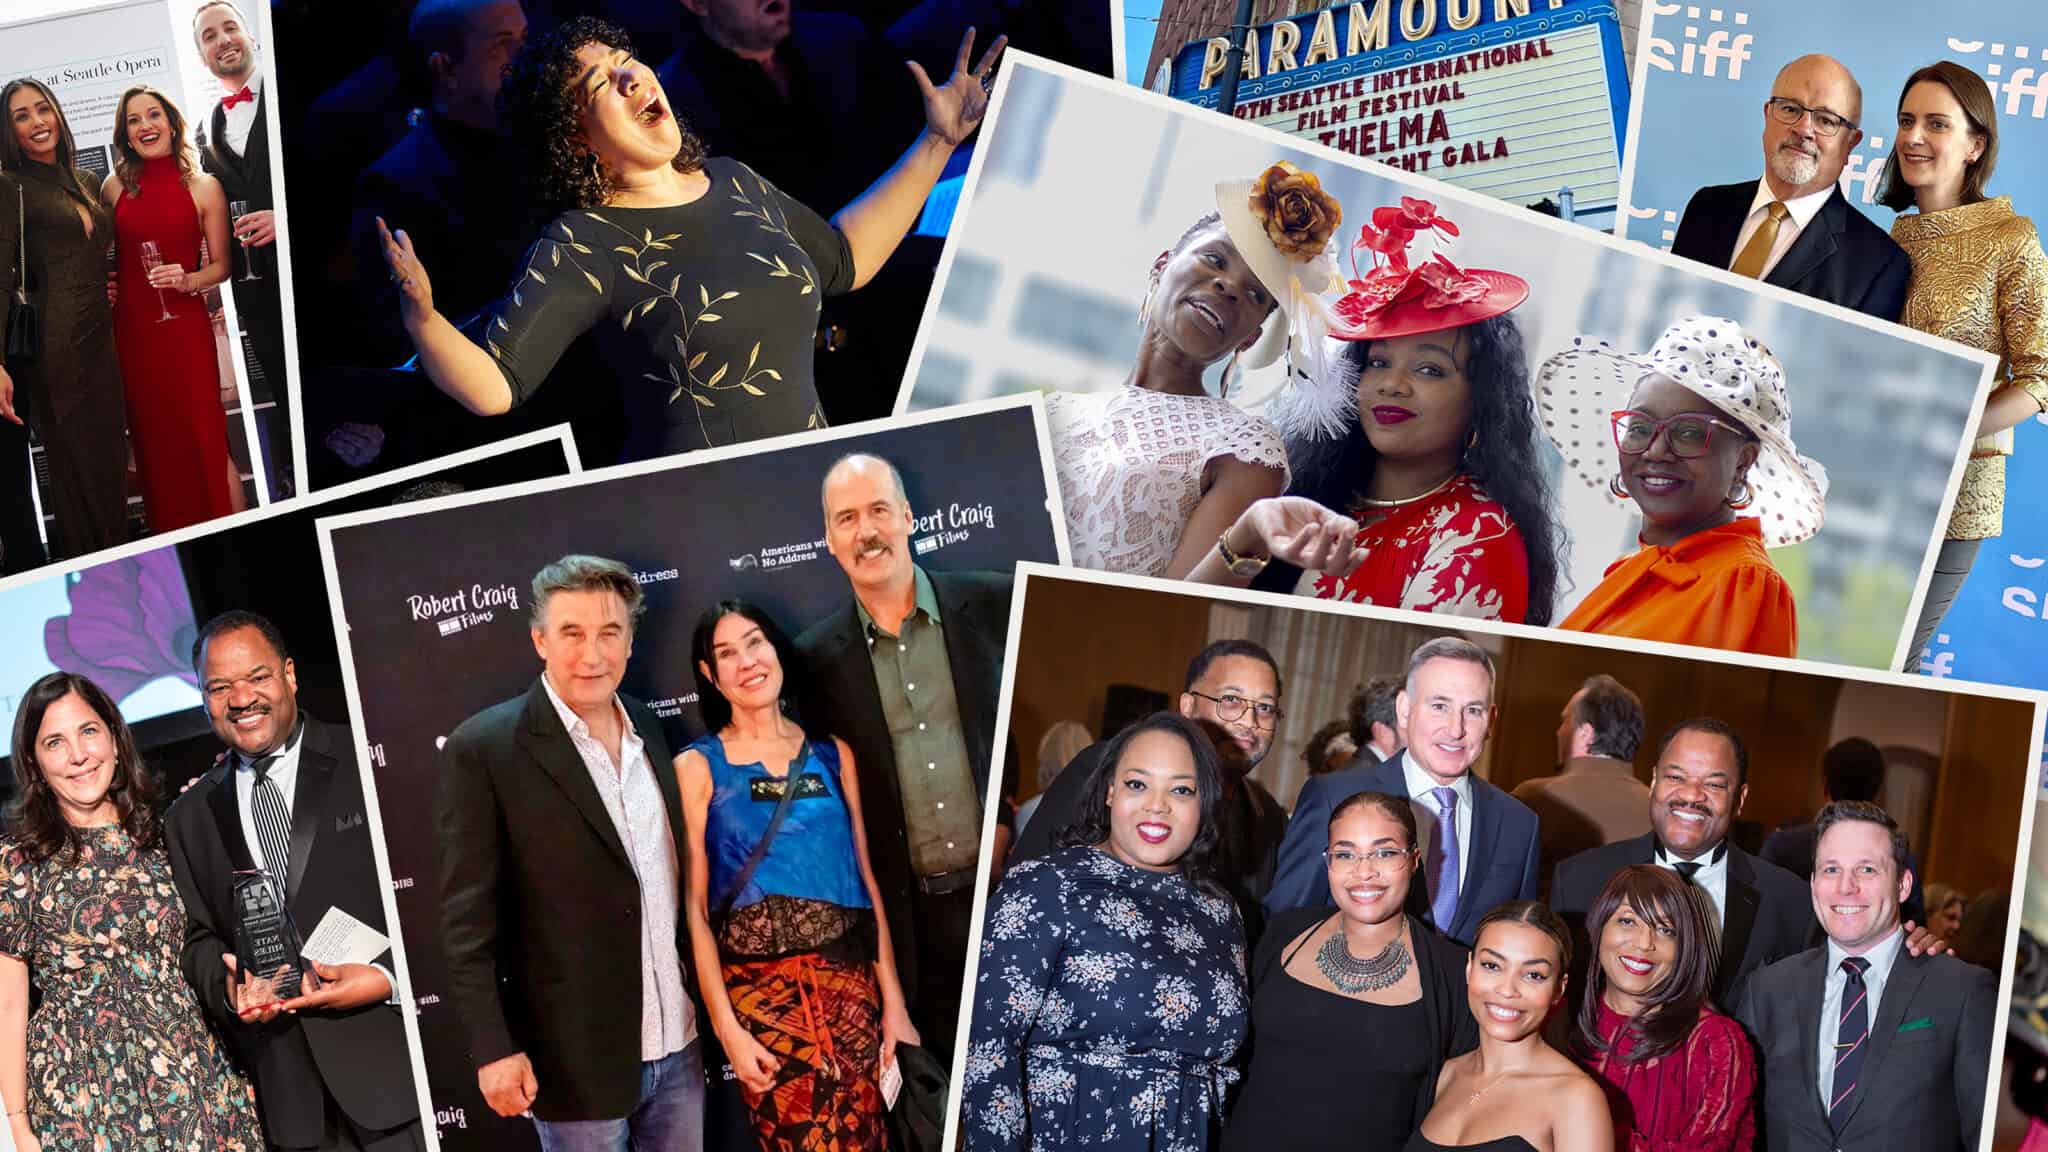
{"x": 1246, "y": 566}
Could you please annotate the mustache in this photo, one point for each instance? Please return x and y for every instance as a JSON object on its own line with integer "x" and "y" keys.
{"x": 234, "y": 714}
{"x": 874, "y": 542}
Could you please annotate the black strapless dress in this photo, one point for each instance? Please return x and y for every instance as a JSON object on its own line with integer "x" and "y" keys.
{"x": 1421, "y": 1143}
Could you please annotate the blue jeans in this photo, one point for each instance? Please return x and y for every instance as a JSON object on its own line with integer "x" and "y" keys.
{"x": 670, "y": 1117}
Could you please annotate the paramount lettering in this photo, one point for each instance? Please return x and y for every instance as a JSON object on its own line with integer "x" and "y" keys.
{"x": 1371, "y": 27}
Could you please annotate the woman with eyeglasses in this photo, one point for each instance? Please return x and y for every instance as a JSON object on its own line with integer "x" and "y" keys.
{"x": 1701, "y": 431}
{"x": 1110, "y": 1003}
{"x": 1354, "y": 1011}
{"x": 1979, "y": 278}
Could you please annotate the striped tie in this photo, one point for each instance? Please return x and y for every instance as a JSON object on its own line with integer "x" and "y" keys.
{"x": 273, "y": 825}
{"x": 1850, "y": 1035}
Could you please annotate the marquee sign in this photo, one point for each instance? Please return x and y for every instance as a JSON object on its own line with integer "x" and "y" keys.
{"x": 1512, "y": 98}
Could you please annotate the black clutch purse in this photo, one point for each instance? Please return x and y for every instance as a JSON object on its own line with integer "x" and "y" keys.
{"x": 24, "y": 320}
{"x": 918, "y": 1121}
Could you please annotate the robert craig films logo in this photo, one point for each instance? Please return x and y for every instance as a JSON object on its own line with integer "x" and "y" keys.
{"x": 954, "y": 524}
{"x": 465, "y": 608}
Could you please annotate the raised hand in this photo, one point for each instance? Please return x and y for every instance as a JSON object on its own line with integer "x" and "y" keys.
{"x": 954, "y": 111}
{"x": 1301, "y": 532}
{"x": 415, "y": 291}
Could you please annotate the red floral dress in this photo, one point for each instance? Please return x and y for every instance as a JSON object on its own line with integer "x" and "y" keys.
{"x": 1456, "y": 552}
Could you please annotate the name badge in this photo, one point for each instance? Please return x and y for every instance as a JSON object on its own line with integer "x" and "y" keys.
{"x": 767, "y": 790}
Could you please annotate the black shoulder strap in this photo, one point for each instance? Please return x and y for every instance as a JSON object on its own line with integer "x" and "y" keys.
{"x": 746, "y": 872}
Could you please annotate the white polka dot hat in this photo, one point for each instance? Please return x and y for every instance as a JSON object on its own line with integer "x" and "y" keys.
{"x": 1578, "y": 389}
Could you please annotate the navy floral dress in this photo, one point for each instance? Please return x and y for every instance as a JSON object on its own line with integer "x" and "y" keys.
{"x": 1110, "y": 1002}
{"x": 118, "y": 1054}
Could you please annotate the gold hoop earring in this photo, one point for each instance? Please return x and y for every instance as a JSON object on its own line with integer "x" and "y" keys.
{"x": 1616, "y": 485}
{"x": 1747, "y": 498}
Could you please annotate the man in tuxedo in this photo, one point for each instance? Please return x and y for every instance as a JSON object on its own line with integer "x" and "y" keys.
{"x": 1232, "y": 690}
{"x": 1697, "y": 789}
{"x": 561, "y": 884}
{"x": 330, "y": 1063}
{"x": 236, "y": 150}
{"x": 907, "y": 673}
{"x": 1793, "y": 227}
{"x": 1595, "y": 797}
{"x": 1481, "y": 842}
{"x": 1863, "y": 1044}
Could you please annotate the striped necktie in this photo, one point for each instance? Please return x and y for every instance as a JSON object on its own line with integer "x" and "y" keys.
{"x": 1851, "y": 1035}
{"x": 273, "y": 824}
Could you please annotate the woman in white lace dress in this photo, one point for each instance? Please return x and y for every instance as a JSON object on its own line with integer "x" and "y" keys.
{"x": 1152, "y": 471}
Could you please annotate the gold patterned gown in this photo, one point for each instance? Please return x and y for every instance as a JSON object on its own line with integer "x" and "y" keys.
{"x": 1979, "y": 278}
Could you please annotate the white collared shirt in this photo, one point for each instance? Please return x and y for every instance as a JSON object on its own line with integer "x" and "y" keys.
{"x": 1882, "y": 955}
{"x": 239, "y": 121}
{"x": 1801, "y": 213}
{"x": 633, "y": 801}
{"x": 284, "y": 772}
{"x": 1712, "y": 877}
{"x": 1422, "y": 790}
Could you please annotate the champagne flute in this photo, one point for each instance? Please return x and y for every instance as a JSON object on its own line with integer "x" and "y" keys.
{"x": 152, "y": 259}
{"x": 236, "y": 210}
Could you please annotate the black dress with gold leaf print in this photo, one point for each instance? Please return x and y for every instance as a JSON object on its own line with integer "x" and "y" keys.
{"x": 705, "y": 311}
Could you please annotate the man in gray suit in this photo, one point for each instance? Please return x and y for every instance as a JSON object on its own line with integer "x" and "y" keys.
{"x": 1865, "y": 1045}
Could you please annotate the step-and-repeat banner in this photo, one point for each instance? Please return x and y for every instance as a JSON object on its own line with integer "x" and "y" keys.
{"x": 438, "y": 604}
{"x": 1707, "y": 70}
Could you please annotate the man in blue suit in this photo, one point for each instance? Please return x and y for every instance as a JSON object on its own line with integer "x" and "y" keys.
{"x": 1481, "y": 842}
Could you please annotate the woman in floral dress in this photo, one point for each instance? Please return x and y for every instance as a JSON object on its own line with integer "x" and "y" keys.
{"x": 1112, "y": 997}
{"x": 117, "y": 1056}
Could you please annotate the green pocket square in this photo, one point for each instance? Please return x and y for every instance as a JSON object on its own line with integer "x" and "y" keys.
{"x": 1916, "y": 1025}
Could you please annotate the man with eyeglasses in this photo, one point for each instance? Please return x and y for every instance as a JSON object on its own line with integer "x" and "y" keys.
{"x": 1233, "y": 690}
{"x": 1794, "y": 227}
{"x": 1482, "y": 844}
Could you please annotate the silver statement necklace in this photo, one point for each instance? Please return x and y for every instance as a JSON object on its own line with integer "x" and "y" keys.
{"x": 1352, "y": 975}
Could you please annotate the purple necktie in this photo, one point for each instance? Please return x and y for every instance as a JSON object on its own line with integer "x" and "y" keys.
{"x": 1443, "y": 901}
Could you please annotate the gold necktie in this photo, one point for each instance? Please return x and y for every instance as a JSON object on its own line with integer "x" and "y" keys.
{"x": 1751, "y": 262}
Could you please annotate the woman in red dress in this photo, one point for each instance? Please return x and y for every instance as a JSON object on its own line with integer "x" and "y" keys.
{"x": 1425, "y": 492}
{"x": 1679, "y": 1076}
{"x": 175, "y": 423}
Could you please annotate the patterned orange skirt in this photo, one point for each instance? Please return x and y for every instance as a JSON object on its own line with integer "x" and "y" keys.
{"x": 822, "y": 1020}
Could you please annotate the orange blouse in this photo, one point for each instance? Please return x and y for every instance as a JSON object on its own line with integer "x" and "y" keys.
{"x": 1715, "y": 588}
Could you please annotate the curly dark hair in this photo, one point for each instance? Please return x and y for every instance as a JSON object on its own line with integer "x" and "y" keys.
{"x": 1090, "y": 826}
{"x": 1336, "y": 472}
{"x": 32, "y": 819}
{"x": 541, "y": 107}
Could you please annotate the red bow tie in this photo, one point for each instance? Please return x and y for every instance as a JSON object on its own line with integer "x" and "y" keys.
{"x": 238, "y": 98}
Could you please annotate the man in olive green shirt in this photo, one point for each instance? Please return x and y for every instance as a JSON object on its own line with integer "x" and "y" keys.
{"x": 908, "y": 674}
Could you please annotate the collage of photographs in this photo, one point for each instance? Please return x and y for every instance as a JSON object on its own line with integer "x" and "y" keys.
{"x": 1014, "y": 575}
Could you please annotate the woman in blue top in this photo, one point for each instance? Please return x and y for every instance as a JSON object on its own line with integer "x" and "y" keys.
{"x": 791, "y": 949}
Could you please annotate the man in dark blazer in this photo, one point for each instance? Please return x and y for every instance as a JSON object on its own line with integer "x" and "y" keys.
{"x": 1862, "y": 1043}
{"x": 908, "y": 673}
{"x": 561, "y": 885}
{"x": 1793, "y": 227}
{"x": 330, "y": 1064}
{"x": 1481, "y": 843}
{"x": 1228, "y": 684}
{"x": 1696, "y": 790}
{"x": 236, "y": 150}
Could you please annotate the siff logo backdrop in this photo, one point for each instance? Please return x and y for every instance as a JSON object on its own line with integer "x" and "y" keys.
{"x": 1707, "y": 70}
{"x": 437, "y": 608}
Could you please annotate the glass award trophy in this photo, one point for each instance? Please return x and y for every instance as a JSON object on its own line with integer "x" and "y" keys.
{"x": 265, "y": 937}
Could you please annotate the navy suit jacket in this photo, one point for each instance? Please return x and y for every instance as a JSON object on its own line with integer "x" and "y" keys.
{"x": 1841, "y": 257}
{"x": 1922, "y": 1083}
{"x": 1503, "y": 866}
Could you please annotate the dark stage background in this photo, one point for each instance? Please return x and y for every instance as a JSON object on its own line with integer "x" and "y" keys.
{"x": 437, "y": 608}
{"x": 351, "y": 88}
{"x": 270, "y": 566}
